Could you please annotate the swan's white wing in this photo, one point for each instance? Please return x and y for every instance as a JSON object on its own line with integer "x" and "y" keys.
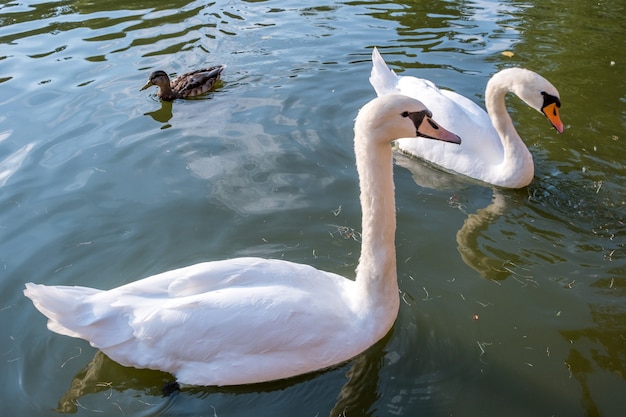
{"x": 89, "y": 314}
{"x": 382, "y": 78}
{"x": 444, "y": 104}
{"x": 480, "y": 144}
{"x": 212, "y": 276}
{"x": 235, "y": 335}
{"x": 227, "y": 322}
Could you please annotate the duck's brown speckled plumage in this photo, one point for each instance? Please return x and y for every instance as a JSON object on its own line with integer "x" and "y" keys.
{"x": 189, "y": 84}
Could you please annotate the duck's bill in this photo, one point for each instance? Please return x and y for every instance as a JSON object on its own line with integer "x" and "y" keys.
{"x": 551, "y": 111}
{"x": 148, "y": 84}
{"x": 432, "y": 130}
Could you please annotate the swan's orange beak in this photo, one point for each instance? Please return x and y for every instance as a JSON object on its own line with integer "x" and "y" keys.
{"x": 432, "y": 130}
{"x": 552, "y": 113}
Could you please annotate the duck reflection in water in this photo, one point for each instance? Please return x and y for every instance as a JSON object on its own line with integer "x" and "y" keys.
{"x": 162, "y": 115}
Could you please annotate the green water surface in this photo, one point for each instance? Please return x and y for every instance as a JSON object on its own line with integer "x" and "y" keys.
{"x": 513, "y": 301}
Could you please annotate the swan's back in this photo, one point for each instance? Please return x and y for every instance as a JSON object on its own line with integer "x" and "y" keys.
{"x": 457, "y": 114}
{"x": 218, "y": 323}
{"x": 452, "y": 111}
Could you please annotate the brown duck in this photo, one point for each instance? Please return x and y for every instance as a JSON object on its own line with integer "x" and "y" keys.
{"x": 189, "y": 84}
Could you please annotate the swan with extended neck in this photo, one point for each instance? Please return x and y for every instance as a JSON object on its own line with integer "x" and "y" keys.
{"x": 250, "y": 320}
{"x": 492, "y": 150}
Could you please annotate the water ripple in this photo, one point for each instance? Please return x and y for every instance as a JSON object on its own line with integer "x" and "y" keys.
{"x": 10, "y": 164}
{"x": 103, "y": 184}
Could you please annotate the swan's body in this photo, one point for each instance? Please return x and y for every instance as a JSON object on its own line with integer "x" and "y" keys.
{"x": 492, "y": 151}
{"x": 189, "y": 84}
{"x": 249, "y": 320}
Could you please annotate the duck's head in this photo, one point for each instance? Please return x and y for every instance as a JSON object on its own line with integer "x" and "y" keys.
{"x": 537, "y": 92}
{"x": 395, "y": 116}
{"x": 158, "y": 78}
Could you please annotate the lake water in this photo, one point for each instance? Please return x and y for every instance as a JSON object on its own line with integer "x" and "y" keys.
{"x": 514, "y": 302}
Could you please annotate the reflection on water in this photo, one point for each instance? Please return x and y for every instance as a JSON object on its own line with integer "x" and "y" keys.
{"x": 13, "y": 162}
{"x": 475, "y": 226}
{"x": 101, "y": 374}
{"x": 467, "y": 238}
{"x": 107, "y": 378}
{"x": 102, "y": 184}
{"x": 162, "y": 115}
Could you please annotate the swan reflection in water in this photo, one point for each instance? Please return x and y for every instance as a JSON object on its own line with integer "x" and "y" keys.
{"x": 108, "y": 378}
{"x": 475, "y": 225}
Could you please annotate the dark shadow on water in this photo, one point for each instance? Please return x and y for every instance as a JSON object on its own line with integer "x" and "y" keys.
{"x": 597, "y": 348}
{"x": 162, "y": 115}
{"x": 102, "y": 374}
{"x": 360, "y": 392}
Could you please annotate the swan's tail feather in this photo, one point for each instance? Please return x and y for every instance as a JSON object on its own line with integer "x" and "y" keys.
{"x": 64, "y": 306}
{"x": 383, "y": 79}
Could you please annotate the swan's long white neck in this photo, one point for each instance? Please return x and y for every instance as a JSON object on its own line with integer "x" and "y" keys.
{"x": 376, "y": 274}
{"x": 517, "y": 158}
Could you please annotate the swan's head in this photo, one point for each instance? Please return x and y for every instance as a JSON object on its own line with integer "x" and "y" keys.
{"x": 537, "y": 92}
{"x": 158, "y": 78}
{"x": 395, "y": 116}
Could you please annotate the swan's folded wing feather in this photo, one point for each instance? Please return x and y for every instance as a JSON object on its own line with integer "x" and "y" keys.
{"x": 448, "y": 108}
{"x": 233, "y": 321}
{"x": 238, "y": 272}
{"x": 457, "y": 114}
{"x": 195, "y": 279}
{"x": 382, "y": 78}
{"x": 80, "y": 312}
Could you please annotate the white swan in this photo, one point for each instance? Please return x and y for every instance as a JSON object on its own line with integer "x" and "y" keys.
{"x": 492, "y": 151}
{"x": 249, "y": 320}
